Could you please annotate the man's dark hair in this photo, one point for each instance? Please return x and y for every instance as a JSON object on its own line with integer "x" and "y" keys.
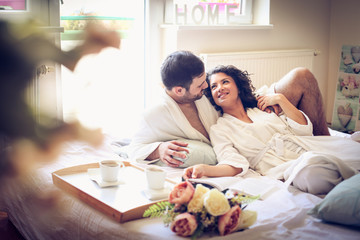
{"x": 180, "y": 68}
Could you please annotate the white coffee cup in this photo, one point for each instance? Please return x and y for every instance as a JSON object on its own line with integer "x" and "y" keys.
{"x": 155, "y": 177}
{"x": 109, "y": 170}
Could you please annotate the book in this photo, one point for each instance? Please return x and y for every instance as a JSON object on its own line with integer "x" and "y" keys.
{"x": 250, "y": 186}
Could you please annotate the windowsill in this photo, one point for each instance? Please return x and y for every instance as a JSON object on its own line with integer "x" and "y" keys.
{"x": 218, "y": 27}
{"x": 52, "y": 29}
{"x": 79, "y": 34}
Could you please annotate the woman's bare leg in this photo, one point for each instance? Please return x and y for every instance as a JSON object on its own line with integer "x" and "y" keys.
{"x": 302, "y": 90}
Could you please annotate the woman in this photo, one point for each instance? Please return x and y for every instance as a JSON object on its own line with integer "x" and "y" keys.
{"x": 279, "y": 146}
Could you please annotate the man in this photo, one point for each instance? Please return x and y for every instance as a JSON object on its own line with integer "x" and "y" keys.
{"x": 185, "y": 113}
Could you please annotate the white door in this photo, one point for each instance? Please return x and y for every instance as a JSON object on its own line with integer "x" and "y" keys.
{"x": 44, "y": 93}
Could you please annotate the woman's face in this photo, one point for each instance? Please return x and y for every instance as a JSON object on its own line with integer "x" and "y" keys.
{"x": 223, "y": 89}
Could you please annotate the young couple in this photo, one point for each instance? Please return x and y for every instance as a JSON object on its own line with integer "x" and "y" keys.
{"x": 247, "y": 135}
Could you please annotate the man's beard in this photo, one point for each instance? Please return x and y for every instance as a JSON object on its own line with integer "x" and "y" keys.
{"x": 191, "y": 98}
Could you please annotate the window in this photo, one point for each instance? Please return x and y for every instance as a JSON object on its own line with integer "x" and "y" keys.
{"x": 105, "y": 90}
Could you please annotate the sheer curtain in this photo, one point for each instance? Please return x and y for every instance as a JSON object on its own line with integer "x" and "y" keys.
{"x": 105, "y": 90}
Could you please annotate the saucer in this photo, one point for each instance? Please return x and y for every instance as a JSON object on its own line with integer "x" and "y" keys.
{"x": 94, "y": 174}
{"x": 153, "y": 194}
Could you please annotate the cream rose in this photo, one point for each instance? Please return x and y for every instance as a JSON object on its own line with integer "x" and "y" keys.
{"x": 197, "y": 201}
{"x": 184, "y": 224}
{"x": 181, "y": 193}
{"x": 216, "y": 203}
{"x": 247, "y": 218}
{"x": 229, "y": 222}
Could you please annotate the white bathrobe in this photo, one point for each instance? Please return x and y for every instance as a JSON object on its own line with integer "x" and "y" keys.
{"x": 272, "y": 146}
{"x": 166, "y": 122}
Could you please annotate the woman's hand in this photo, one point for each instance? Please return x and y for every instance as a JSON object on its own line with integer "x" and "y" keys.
{"x": 196, "y": 171}
{"x": 264, "y": 102}
{"x": 278, "y": 99}
{"x": 204, "y": 170}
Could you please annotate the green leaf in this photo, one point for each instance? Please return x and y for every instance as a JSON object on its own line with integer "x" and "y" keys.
{"x": 158, "y": 209}
{"x": 244, "y": 199}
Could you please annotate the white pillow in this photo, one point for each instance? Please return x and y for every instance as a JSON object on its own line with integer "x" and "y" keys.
{"x": 199, "y": 152}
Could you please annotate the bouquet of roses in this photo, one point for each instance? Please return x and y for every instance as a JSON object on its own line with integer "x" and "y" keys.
{"x": 192, "y": 211}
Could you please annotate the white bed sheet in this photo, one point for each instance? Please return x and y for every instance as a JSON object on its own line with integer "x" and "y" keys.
{"x": 283, "y": 215}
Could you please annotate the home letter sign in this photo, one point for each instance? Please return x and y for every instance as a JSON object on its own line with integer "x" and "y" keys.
{"x": 207, "y": 13}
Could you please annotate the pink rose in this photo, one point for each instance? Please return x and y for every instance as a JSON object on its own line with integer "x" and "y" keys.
{"x": 229, "y": 221}
{"x": 184, "y": 224}
{"x": 182, "y": 193}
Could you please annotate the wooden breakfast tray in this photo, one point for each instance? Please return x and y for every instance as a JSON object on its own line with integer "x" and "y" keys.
{"x": 123, "y": 202}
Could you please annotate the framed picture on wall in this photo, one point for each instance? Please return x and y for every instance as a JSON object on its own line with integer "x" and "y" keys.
{"x": 346, "y": 115}
{"x": 13, "y": 5}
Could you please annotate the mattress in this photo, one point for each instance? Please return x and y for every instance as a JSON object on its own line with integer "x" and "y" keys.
{"x": 282, "y": 215}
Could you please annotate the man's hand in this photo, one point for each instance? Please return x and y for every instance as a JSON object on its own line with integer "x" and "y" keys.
{"x": 169, "y": 150}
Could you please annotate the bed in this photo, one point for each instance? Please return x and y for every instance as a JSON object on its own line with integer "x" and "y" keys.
{"x": 283, "y": 215}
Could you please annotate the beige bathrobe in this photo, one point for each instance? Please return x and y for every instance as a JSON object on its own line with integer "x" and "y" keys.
{"x": 280, "y": 147}
{"x": 165, "y": 122}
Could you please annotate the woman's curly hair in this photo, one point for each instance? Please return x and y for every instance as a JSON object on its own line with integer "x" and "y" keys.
{"x": 242, "y": 81}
